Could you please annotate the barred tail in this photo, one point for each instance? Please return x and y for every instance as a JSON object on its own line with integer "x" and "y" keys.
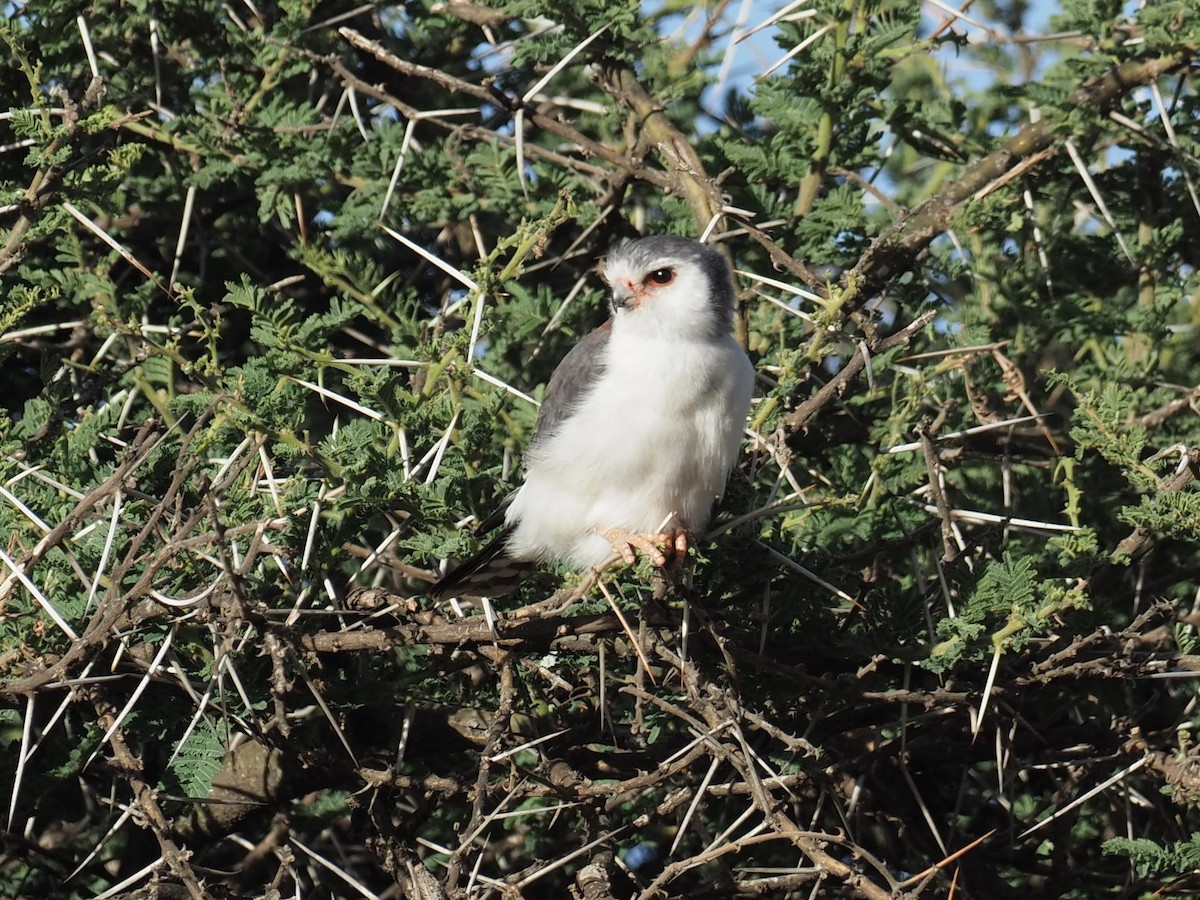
{"x": 489, "y": 573}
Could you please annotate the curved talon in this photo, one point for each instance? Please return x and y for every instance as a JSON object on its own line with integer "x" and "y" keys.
{"x": 682, "y": 540}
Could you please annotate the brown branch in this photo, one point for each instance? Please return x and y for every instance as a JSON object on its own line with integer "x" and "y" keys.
{"x": 107, "y": 614}
{"x": 1138, "y": 542}
{"x": 720, "y": 710}
{"x": 896, "y": 250}
{"x": 43, "y": 189}
{"x": 120, "y": 608}
{"x": 145, "y": 799}
{"x": 933, "y": 465}
{"x": 592, "y": 148}
{"x": 497, "y": 730}
{"x": 688, "y": 180}
{"x": 783, "y": 260}
{"x": 528, "y": 634}
{"x": 837, "y": 385}
{"x": 135, "y": 454}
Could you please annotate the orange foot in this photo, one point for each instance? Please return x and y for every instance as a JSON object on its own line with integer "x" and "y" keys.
{"x": 666, "y": 548}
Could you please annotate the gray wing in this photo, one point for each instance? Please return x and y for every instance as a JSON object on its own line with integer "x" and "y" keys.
{"x": 578, "y": 371}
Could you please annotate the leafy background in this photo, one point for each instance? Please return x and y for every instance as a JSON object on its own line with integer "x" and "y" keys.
{"x": 283, "y": 282}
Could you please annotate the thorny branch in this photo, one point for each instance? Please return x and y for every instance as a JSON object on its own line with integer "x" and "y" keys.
{"x": 898, "y": 249}
{"x": 482, "y": 759}
{"x": 894, "y": 253}
{"x": 43, "y": 187}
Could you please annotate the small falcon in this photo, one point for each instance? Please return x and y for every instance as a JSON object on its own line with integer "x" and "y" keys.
{"x": 639, "y": 428}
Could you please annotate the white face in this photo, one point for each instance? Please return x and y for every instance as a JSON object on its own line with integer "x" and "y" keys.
{"x": 669, "y": 287}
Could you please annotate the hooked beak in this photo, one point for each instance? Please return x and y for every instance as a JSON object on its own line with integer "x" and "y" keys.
{"x": 624, "y": 295}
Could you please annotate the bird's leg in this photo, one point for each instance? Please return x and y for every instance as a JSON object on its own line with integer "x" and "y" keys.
{"x": 626, "y": 542}
{"x": 666, "y": 549}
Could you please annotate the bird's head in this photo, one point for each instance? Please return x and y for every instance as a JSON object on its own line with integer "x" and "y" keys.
{"x": 672, "y": 285}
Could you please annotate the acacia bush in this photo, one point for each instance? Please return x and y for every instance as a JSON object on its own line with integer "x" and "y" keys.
{"x": 283, "y": 282}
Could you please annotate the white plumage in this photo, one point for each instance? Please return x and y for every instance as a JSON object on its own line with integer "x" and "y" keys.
{"x": 640, "y": 426}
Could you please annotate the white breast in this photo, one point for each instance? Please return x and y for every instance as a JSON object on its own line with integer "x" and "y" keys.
{"x": 657, "y": 434}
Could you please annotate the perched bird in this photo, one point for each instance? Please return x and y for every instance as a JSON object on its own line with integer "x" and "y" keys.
{"x": 639, "y": 428}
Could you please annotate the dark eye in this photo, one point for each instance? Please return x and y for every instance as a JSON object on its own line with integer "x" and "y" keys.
{"x": 661, "y": 276}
